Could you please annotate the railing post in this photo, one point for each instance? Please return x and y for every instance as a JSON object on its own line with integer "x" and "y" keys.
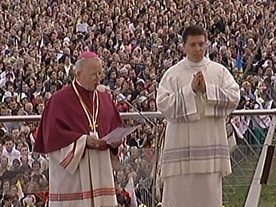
{"x": 254, "y": 192}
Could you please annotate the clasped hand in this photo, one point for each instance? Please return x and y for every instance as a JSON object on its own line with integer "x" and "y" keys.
{"x": 99, "y": 144}
{"x": 198, "y": 83}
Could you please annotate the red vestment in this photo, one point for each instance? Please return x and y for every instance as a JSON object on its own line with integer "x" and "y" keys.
{"x": 64, "y": 119}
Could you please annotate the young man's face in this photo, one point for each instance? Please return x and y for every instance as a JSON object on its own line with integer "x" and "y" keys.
{"x": 195, "y": 47}
{"x": 4, "y": 161}
{"x": 15, "y": 164}
{"x": 24, "y": 150}
{"x": 9, "y": 146}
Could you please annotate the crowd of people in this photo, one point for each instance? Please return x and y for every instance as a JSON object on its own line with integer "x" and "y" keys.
{"x": 138, "y": 41}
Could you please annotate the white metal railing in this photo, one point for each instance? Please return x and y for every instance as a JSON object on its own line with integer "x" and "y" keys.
{"x": 255, "y": 187}
{"x": 136, "y": 115}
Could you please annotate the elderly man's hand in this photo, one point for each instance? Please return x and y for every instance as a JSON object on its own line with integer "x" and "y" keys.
{"x": 94, "y": 143}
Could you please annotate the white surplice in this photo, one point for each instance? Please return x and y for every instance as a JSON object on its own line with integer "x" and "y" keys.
{"x": 195, "y": 140}
{"x": 89, "y": 173}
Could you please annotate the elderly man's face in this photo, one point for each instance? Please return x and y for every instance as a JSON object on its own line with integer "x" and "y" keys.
{"x": 90, "y": 75}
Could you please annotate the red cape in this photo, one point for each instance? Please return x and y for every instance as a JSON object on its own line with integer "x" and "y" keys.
{"x": 64, "y": 121}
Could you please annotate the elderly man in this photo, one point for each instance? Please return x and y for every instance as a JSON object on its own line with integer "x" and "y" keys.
{"x": 72, "y": 125}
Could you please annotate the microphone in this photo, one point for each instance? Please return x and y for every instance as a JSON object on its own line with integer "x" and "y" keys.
{"x": 103, "y": 88}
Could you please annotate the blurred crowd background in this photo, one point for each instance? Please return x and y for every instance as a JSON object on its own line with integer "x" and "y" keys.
{"x": 138, "y": 41}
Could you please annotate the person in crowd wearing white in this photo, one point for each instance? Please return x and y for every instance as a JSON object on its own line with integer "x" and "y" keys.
{"x": 9, "y": 149}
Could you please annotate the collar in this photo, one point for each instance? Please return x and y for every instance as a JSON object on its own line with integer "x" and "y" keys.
{"x": 201, "y": 63}
{"x": 81, "y": 85}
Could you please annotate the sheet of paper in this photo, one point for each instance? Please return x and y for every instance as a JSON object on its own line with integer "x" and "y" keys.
{"x": 119, "y": 133}
{"x": 82, "y": 27}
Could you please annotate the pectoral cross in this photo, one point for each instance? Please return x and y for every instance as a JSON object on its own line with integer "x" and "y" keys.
{"x": 93, "y": 126}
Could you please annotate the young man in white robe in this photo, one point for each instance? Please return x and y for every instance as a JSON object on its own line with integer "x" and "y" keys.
{"x": 195, "y": 96}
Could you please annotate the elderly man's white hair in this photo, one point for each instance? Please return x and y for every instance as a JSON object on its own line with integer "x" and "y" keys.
{"x": 79, "y": 64}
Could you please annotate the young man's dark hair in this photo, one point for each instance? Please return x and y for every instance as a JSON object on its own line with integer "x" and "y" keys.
{"x": 6, "y": 198}
{"x": 8, "y": 137}
{"x": 193, "y": 31}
